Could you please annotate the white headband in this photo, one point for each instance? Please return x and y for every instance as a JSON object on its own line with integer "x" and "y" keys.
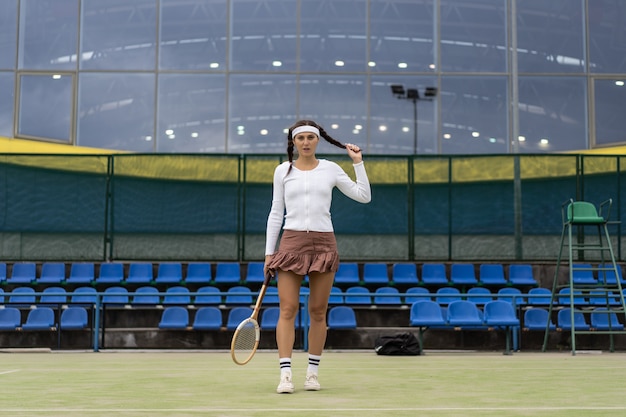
{"x": 305, "y": 128}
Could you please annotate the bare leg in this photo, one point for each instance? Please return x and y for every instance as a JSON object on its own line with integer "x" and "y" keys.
{"x": 320, "y": 285}
{"x": 289, "y": 295}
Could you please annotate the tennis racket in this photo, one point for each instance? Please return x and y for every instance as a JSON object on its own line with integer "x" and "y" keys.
{"x": 248, "y": 333}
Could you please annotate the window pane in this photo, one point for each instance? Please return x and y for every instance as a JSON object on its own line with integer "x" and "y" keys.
{"x": 473, "y": 35}
{"x": 610, "y": 101}
{"x": 116, "y": 111}
{"x": 118, "y": 34}
{"x": 8, "y": 40}
{"x": 392, "y": 123}
{"x": 191, "y": 113}
{"x": 45, "y": 106}
{"x": 264, "y": 35}
{"x": 550, "y": 36}
{"x": 6, "y": 103}
{"x": 607, "y": 40}
{"x": 401, "y": 35}
{"x": 333, "y": 35}
{"x": 474, "y": 115}
{"x": 48, "y": 30}
{"x": 552, "y": 114}
{"x": 338, "y": 103}
{"x": 193, "y": 34}
{"x": 261, "y": 107}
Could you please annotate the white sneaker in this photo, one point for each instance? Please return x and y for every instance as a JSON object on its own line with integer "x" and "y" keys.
{"x": 311, "y": 383}
{"x": 285, "y": 386}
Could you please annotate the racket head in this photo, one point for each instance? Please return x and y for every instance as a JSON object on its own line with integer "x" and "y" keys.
{"x": 245, "y": 341}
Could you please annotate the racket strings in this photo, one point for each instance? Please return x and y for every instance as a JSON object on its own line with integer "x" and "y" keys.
{"x": 245, "y": 341}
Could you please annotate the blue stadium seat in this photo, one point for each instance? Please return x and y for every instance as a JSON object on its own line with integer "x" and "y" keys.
{"x": 426, "y": 313}
{"x": 146, "y": 295}
{"x": 387, "y": 295}
{"x": 53, "y": 295}
{"x": 463, "y": 274}
{"x": 434, "y": 274}
{"x": 208, "y": 295}
{"x": 3, "y": 272}
{"x": 169, "y": 273}
{"x": 207, "y": 318}
{"x": 500, "y": 313}
{"x": 52, "y": 273}
{"x": 491, "y": 274}
{"x": 463, "y": 313}
{"x": 582, "y": 273}
{"x": 336, "y": 296}
{"x": 174, "y": 318}
{"x": 304, "y": 291}
{"x": 84, "y": 295}
{"x": 358, "y": 295}
{"x": 110, "y": 273}
{"x": 81, "y": 273}
{"x": 140, "y": 273}
{"x": 564, "y": 297}
{"x": 521, "y": 275}
{"x": 348, "y": 274}
{"x": 536, "y": 319}
{"x": 446, "y": 295}
{"x": 115, "y": 295}
{"x": 40, "y": 318}
{"x": 236, "y": 315}
{"x": 375, "y": 274}
{"x": 600, "y": 298}
{"x": 177, "y": 295}
{"x": 539, "y": 296}
{"x": 564, "y": 321}
{"x": 238, "y": 295}
{"x": 271, "y": 296}
{"x": 199, "y": 273}
{"x": 404, "y": 274}
{"x": 341, "y": 317}
{"x": 22, "y": 296}
{"x": 607, "y": 274}
{"x": 479, "y": 295}
{"x": 605, "y": 320}
{"x": 23, "y": 273}
{"x": 511, "y": 293}
{"x": 269, "y": 318}
{"x": 73, "y": 318}
{"x": 10, "y": 318}
{"x": 254, "y": 273}
{"x": 413, "y": 292}
{"x": 228, "y": 273}
{"x": 1, "y": 296}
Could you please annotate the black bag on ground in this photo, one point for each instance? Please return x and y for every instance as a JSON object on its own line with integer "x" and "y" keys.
{"x": 400, "y": 344}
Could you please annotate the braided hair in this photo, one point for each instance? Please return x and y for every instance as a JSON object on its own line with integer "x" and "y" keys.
{"x": 323, "y": 134}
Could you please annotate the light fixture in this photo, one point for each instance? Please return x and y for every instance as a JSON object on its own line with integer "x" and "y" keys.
{"x": 413, "y": 95}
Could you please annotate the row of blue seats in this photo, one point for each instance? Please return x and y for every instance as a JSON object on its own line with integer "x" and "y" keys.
{"x": 465, "y": 314}
{"x": 114, "y": 273}
{"x": 461, "y": 274}
{"x": 173, "y": 317}
{"x": 43, "y": 318}
{"x": 357, "y": 295}
{"x": 231, "y": 273}
{"x": 210, "y": 318}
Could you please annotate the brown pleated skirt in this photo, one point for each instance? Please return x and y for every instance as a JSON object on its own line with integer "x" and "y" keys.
{"x": 304, "y": 252}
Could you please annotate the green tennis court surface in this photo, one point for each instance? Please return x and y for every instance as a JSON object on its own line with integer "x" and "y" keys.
{"x": 353, "y": 384}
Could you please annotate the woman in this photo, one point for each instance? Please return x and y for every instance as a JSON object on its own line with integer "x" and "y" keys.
{"x": 302, "y": 197}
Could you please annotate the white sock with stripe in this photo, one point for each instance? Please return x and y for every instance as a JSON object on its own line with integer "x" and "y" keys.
{"x": 285, "y": 365}
{"x": 314, "y": 364}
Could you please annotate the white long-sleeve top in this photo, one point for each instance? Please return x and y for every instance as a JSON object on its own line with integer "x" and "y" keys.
{"x": 304, "y": 197}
